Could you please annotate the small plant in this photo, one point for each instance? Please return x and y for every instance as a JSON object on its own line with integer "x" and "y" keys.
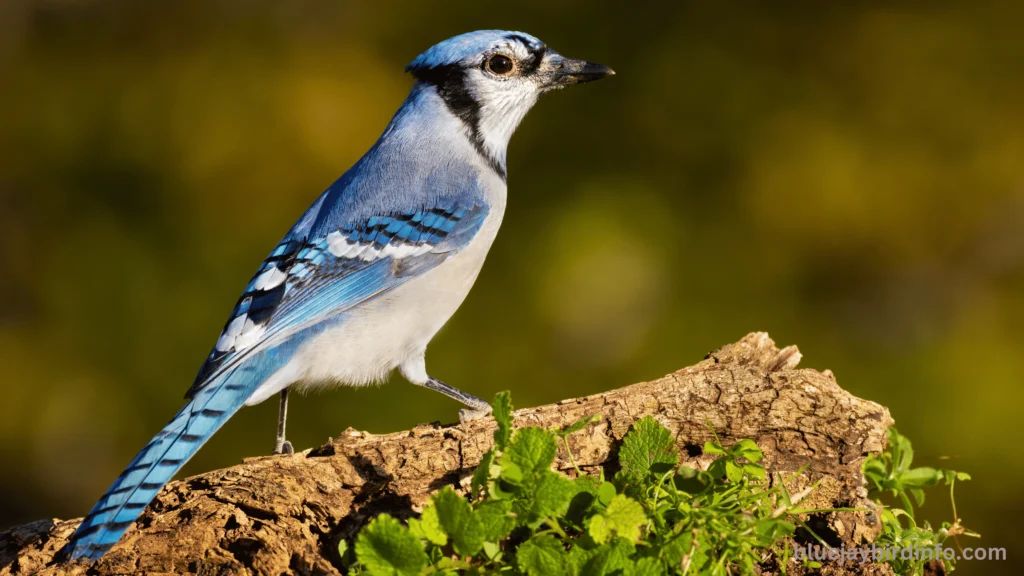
{"x": 655, "y": 517}
{"x": 890, "y": 473}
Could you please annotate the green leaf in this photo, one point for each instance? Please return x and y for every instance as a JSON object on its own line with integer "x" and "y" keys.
{"x": 771, "y": 529}
{"x": 552, "y": 494}
{"x": 532, "y": 449}
{"x": 691, "y": 481}
{"x": 623, "y": 517}
{"x": 902, "y": 451}
{"x": 589, "y": 484}
{"x": 606, "y": 492}
{"x": 541, "y": 556}
{"x": 747, "y": 449}
{"x": 453, "y": 565}
{"x": 576, "y": 559}
{"x": 675, "y": 549}
{"x": 428, "y": 527}
{"x": 511, "y": 472}
{"x": 599, "y": 529}
{"x": 343, "y": 549}
{"x": 492, "y": 550}
{"x": 482, "y": 474}
{"x": 609, "y": 558}
{"x": 576, "y": 426}
{"x": 498, "y": 492}
{"x": 456, "y": 517}
{"x": 713, "y": 448}
{"x": 755, "y": 471}
{"x": 645, "y": 567}
{"x": 582, "y": 501}
{"x": 647, "y": 444}
{"x": 918, "y": 495}
{"x": 386, "y": 548}
{"x": 733, "y": 471}
{"x": 921, "y": 477}
{"x": 686, "y": 472}
{"x": 502, "y": 410}
{"x": 496, "y": 520}
{"x": 717, "y": 467}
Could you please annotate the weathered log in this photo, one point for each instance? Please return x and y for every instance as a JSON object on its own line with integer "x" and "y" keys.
{"x": 285, "y": 514}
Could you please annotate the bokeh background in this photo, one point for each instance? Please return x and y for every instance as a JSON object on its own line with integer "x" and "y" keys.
{"x": 849, "y": 178}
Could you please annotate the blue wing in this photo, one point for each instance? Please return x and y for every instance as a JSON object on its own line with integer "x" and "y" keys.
{"x": 305, "y": 281}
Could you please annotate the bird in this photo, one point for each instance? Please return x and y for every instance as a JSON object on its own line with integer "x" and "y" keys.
{"x": 372, "y": 270}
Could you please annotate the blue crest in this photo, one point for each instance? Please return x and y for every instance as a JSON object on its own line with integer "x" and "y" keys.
{"x": 459, "y": 48}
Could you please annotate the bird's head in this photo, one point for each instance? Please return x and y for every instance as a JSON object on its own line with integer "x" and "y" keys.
{"x": 491, "y": 78}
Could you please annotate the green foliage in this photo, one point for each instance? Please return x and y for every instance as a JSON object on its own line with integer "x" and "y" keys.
{"x": 532, "y": 450}
{"x": 623, "y": 517}
{"x": 649, "y": 444}
{"x": 891, "y": 474}
{"x": 649, "y": 448}
{"x": 457, "y": 518}
{"x": 656, "y": 518}
{"x": 428, "y": 527}
{"x": 503, "y": 416}
{"x": 543, "y": 555}
{"x": 387, "y": 548}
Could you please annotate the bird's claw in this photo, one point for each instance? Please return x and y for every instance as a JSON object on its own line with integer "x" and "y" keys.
{"x": 284, "y": 448}
{"x": 468, "y": 415}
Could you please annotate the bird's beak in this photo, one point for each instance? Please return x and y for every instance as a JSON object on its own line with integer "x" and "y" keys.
{"x": 566, "y": 71}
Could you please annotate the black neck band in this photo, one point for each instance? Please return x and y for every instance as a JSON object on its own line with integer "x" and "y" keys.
{"x": 450, "y": 82}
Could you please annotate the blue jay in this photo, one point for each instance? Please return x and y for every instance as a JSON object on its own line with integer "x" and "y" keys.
{"x": 367, "y": 276}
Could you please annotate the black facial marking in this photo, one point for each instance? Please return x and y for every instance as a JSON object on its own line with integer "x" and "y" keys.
{"x": 530, "y": 65}
{"x": 521, "y": 39}
{"x": 450, "y": 82}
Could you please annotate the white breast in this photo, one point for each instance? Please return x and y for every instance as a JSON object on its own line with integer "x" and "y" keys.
{"x": 380, "y": 335}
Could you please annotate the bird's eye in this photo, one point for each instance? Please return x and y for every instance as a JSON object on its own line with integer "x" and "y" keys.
{"x": 500, "y": 64}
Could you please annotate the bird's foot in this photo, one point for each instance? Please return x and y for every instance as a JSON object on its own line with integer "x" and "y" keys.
{"x": 284, "y": 447}
{"x": 468, "y": 415}
{"x": 476, "y": 408}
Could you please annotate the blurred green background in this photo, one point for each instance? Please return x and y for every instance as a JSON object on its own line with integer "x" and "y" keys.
{"x": 848, "y": 178}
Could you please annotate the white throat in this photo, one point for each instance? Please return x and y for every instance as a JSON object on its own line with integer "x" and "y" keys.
{"x": 500, "y": 115}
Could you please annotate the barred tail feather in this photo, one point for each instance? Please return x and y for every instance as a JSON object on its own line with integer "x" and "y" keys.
{"x": 157, "y": 463}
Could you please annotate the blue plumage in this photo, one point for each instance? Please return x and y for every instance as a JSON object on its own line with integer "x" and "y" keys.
{"x": 468, "y": 45}
{"x": 373, "y": 269}
{"x": 168, "y": 451}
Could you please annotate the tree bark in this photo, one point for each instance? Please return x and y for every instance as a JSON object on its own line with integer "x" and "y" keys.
{"x": 285, "y": 514}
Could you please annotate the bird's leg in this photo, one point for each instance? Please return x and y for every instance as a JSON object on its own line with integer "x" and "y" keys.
{"x": 282, "y": 446}
{"x": 478, "y": 408}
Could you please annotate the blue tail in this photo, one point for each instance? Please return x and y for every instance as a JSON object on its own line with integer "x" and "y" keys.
{"x": 155, "y": 464}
